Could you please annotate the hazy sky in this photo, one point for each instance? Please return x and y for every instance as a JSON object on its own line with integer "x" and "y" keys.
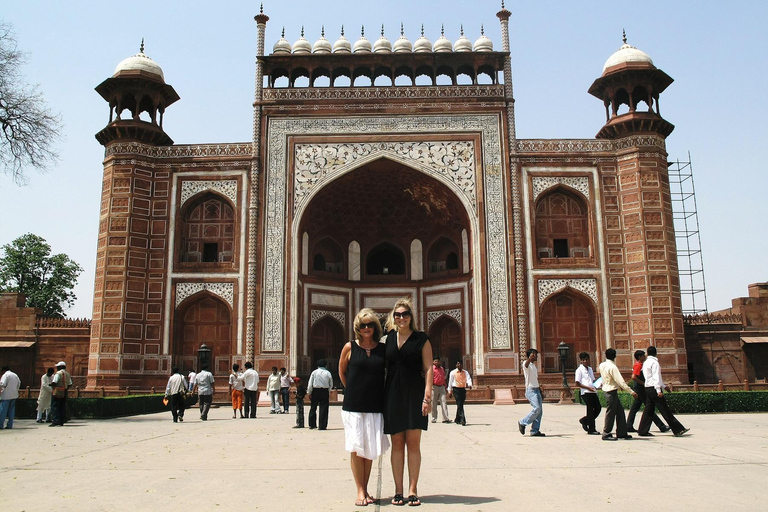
{"x": 715, "y": 51}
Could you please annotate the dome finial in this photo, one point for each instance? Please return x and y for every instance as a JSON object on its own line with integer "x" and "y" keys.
{"x": 322, "y": 30}
{"x": 462, "y": 29}
{"x": 283, "y": 35}
{"x": 382, "y": 30}
{"x": 141, "y": 48}
{"x": 302, "y": 31}
{"x": 502, "y": 4}
{"x": 342, "y": 30}
{"x": 362, "y": 31}
{"x": 442, "y": 29}
{"x": 482, "y": 30}
{"x": 261, "y": 9}
{"x": 402, "y": 31}
{"x": 422, "y": 30}
{"x": 624, "y": 36}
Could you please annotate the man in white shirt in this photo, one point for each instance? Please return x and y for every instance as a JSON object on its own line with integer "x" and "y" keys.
{"x": 9, "y": 393}
{"x": 60, "y": 382}
{"x": 654, "y": 398}
{"x": 318, "y": 389}
{"x": 273, "y": 388}
{"x": 612, "y": 382}
{"x": 533, "y": 394}
{"x": 191, "y": 380}
{"x": 251, "y": 382}
{"x": 459, "y": 381}
{"x": 285, "y": 389}
{"x": 585, "y": 379}
{"x": 205, "y": 388}
{"x": 176, "y": 392}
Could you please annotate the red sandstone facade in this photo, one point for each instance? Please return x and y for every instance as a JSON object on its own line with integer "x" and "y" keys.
{"x": 352, "y": 196}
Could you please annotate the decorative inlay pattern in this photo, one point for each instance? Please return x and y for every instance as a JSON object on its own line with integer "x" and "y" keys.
{"x": 434, "y": 315}
{"x": 549, "y": 287}
{"x": 180, "y": 151}
{"x": 318, "y": 314}
{"x": 586, "y": 145}
{"x": 224, "y": 290}
{"x": 227, "y": 188}
{"x": 542, "y": 183}
{"x": 363, "y": 93}
{"x": 318, "y": 163}
{"x": 276, "y": 194}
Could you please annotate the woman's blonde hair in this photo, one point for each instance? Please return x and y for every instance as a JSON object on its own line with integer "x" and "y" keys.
{"x": 367, "y": 315}
{"x": 405, "y": 302}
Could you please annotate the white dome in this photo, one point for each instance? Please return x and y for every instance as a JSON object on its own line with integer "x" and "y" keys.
{"x": 402, "y": 44}
{"x": 140, "y": 62}
{"x": 422, "y": 44}
{"x": 627, "y": 53}
{"x": 342, "y": 45}
{"x": 282, "y": 46}
{"x": 442, "y": 44}
{"x": 322, "y": 45}
{"x": 483, "y": 44}
{"x": 462, "y": 44}
{"x": 382, "y": 44}
{"x": 302, "y": 45}
{"x": 362, "y": 45}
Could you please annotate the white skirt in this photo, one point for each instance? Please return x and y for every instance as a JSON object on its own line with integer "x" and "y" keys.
{"x": 364, "y": 434}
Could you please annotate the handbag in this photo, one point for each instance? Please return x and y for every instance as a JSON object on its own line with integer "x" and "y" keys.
{"x": 59, "y": 392}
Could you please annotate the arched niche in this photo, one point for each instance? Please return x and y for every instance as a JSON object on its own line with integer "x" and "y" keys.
{"x": 568, "y": 316}
{"x": 327, "y": 258}
{"x": 443, "y": 256}
{"x": 326, "y": 339}
{"x": 385, "y": 259}
{"x": 207, "y": 231}
{"x": 203, "y": 318}
{"x": 562, "y": 225}
{"x": 447, "y": 341}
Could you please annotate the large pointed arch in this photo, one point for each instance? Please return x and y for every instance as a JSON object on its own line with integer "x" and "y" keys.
{"x": 203, "y": 318}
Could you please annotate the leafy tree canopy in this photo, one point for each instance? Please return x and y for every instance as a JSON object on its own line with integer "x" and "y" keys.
{"x": 27, "y": 266}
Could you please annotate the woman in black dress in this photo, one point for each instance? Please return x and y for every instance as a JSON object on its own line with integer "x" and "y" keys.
{"x": 408, "y": 392}
{"x": 361, "y": 370}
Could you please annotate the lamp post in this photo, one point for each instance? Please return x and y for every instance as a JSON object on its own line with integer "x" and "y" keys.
{"x": 565, "y": 395}
{"x": 203, "y": 357}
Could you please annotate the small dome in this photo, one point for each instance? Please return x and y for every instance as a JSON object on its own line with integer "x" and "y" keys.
{"x": 462, "y": 44}
{"x": 282, "y": 46}
{"x": 382, "y": 44}
{"x": 362, "y": 45}
{"x": 302, "y": 45}
{"x": 140, "y": 62}
{"x": 422, "y": 44}
{"x": 402, "y": 44}
{"x": 442, "y": 44}
{"x": 342, "y": 45}
{"x": 627, "y": 53}
{"x": 322, "y": 45}
{"x": 483, "y": 44}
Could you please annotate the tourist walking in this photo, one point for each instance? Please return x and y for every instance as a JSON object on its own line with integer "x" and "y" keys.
{"x": 654, "y": 398}
{"x": 191, "y": 380}
{"x": 236, "y": 387}
{"x": 251, "y": 390}
{"x": 361, "y": 370}
{"x": 439, "y": 391}
{"x": 285, "y": 389}
{"x": 459, "y": 382}
{"x": 273, "y": 388}
{"x": 639, "y": 387}
{"x": 585, "y": 381}
{"x": 45, "y": 396}
{"x": 9, "y": 393}
{"x": 408, "y": 396}
{"x": 319, "y": 390}
{"x": 533, "y": 394}
{"x": 176, "y": 393}
{"x": 614, "y": 411}
{"x": 301, "y": 392}
{"x": 60, "y": 382}
{"x": 205, "y": 387}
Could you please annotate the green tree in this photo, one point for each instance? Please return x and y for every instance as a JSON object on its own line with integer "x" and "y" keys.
{"x": 27, "y": 266}
{"x": 28, "y": 128}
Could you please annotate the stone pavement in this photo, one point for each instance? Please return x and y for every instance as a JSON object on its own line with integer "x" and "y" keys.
{"x": 150, "y": 463}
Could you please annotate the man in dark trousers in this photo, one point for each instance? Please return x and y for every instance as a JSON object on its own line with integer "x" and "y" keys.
{"x": 639, "y": 387}
{"x": 318, "y": 389}
{"x": 654, "y": 398}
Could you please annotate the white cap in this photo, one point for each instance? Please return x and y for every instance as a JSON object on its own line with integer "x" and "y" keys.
{"x": 61, "y": 363}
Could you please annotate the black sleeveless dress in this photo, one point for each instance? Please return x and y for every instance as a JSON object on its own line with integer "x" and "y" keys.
{"x": 404, "y": 388}
{"x": 365, "y": 379}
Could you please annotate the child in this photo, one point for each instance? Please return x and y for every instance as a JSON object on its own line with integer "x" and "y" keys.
{"x": 301, "y": 392}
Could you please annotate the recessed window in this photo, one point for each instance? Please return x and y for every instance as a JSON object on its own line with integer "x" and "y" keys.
{"x": 560, "y": 247}
{"x": 318, "y": 262}
{"x": 210, "y": 252}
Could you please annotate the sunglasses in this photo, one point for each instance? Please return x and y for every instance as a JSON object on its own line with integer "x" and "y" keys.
{"x": 369, "y": 325}
{"x": 404, "y": 314}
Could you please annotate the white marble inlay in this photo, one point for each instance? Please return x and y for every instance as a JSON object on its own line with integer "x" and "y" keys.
{"x": 223, "y": 290}
{"x": 325, "y": 299}
{"x": 443, "y": 299}
{"x": 227, "y": 188}
{"x": 548, "y": 287}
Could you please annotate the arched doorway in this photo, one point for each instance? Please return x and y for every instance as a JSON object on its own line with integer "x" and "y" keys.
{"x": 207, "y": 232}
{"x": 567, "y": 317}
{"x": 562, "y": 225}
{"x": 203, "y": 319}
{"x": 447, "y": 341}
{"x": 326, "y": 340}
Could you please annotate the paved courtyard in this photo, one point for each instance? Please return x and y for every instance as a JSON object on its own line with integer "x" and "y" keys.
{"x": 150, "y": 463}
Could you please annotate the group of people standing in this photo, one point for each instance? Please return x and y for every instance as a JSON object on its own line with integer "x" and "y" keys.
{"x": 648, "y": 390}
{"x": 51, "y": 402}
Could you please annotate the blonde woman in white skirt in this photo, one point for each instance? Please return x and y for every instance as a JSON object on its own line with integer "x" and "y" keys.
{"x": 361, "y": 369}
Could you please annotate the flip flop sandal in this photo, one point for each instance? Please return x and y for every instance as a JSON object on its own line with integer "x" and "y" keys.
{"x": 398, "y": 500}
{"x": 413, "y": 501}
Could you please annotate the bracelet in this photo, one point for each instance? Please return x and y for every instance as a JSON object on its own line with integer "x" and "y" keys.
{"x": 427, "y": 401}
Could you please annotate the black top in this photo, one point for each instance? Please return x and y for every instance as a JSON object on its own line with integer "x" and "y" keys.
{"x": 404, "y": 390}
{"x": 365, "y": 379}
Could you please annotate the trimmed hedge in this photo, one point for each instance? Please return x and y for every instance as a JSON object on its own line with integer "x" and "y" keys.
{"x": 107, "y": 407}
{"x": 699, "y": 402}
